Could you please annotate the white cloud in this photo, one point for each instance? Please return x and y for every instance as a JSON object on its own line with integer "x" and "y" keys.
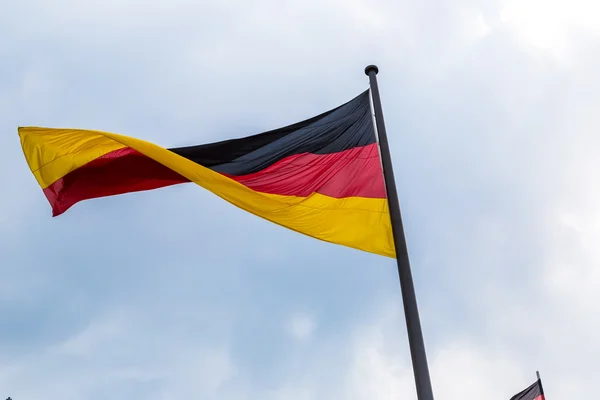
{"x": 301, "y": 326}
{"x": 549, "y": 24}
{"x": 101, "y": 330}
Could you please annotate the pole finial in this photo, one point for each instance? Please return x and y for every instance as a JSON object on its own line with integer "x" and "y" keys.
{"x": 371, "y": 68}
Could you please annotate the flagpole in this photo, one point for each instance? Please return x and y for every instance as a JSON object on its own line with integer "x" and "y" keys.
{"x": 411, "y": 312}
{"x": 537, "y": 373}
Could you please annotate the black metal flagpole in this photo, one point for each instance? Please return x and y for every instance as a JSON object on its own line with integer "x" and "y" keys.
{"x": 537, "y": 373}
{"x": 411, "y": 312}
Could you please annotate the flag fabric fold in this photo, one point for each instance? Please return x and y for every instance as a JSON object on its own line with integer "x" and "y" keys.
{"x": 533, "y": 392}
{"x": 321, "y": 177}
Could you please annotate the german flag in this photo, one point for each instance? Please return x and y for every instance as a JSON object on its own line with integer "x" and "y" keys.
{"x": 321, "y": 177}
{"x": 533, "y": 392}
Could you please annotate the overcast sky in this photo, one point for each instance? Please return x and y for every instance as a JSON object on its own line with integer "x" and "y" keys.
{"x": 493, "y": 113}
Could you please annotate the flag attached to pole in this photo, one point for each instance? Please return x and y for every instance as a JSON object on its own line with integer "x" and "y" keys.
{"x": 533, "y": 392}
{"x": 321, "y": 177}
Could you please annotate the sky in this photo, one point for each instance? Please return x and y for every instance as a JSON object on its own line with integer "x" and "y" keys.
{"x": 491, "y": 108}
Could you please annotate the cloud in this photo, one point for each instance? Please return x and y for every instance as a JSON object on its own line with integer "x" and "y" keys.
{"x": 301, "y": 326}
{"x": 549, "y": 24}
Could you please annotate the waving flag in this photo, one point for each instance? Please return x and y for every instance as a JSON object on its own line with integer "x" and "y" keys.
{"x": 533, "y": 392}
{"x": 321, "y": 177}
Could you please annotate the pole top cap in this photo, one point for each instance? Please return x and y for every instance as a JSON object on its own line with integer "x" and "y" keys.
{"x": 371, "y": 68}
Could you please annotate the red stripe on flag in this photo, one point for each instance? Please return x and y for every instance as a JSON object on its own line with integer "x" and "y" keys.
{"x": 120, "y": 171}
{"x": 354, "y": 172}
